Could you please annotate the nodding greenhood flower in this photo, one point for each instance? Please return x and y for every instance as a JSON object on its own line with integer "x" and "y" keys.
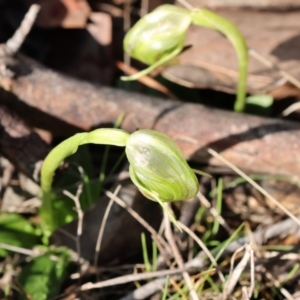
{"x": 158, "y": 168}
{"x": 158, "y": 37}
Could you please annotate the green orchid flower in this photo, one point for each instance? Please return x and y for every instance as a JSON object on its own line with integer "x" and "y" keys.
{"x": 157, "y": 38}
{"x": 157, "y": 167}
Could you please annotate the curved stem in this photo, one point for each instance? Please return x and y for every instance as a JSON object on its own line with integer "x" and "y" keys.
{"x": 164, "y": 60}
{"x": 106, "y": 136}
{"x": 208, "y": 19}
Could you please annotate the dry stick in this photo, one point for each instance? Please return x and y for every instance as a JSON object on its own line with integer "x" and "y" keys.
{"x": 214, "y": 212}
{"x": 236, "y": 273}
{"x": 101, "y": 230}
{"x": 295, "y": 106}
{"x": 145, "y": 291}
{"x": 252, "y": 275}
{"x": 254, "y": 184}
{"x": 271, "y": 65}
{"x": 253, "y": 246}
{"x": 292, "y": 108}
{"x": 80, "y": 215}
{"x": 245, "y": 293}
{"x": 186, "y": 4}
{"x": 20, "y": 250}
{"x": 204, "y": 248}
{"x": 129, "y": 278}
{"x": 177, "y": 255}
{"x": 144, "y": 7}
{"x": 156, "y": 237}
{"x": 13, "y": 45}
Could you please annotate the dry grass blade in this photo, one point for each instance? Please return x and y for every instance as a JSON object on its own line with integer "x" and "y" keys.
{"x": 204, "y": 248}
{"x": 292, "y": 108}
{"x": 178, "y": 257}
{"x": 145, "y": 291}
{"x": 101, "y": 230}
{"x": 79, "y": 211}
{"x": 185, "y": 4}
{"x": 20, "y": 250}
{"x": 254, "y": 184}
{"x": 161, "y": 243}
{"x": 269, "y": 64}
{"x": 214, "y": 212}
{"x": 236, "y": 273}
{"x": 129, "y": 278}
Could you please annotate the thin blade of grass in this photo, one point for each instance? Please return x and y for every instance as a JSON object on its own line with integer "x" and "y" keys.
{"x": 254, "y": 184}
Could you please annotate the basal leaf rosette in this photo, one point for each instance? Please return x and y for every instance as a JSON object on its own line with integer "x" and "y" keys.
{"x": 158, "y": 168}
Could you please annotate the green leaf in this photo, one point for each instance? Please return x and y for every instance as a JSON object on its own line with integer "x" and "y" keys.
{"x": 259, "y": 104}
{"x": 17, "y": 231}
{"x": 43, "y": 277}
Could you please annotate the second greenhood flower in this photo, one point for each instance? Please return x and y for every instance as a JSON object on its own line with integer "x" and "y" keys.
{"x": 158, "y": 168}
{"x": 158, "y": 37}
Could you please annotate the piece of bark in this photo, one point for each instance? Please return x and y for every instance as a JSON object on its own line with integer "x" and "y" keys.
{"x": 20, "y": 144}
{"x": 62, "y": 13}
{"x": 65, "y": 106}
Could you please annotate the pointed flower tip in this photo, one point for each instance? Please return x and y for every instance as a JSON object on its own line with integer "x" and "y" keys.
{"x": 158, "y": 34}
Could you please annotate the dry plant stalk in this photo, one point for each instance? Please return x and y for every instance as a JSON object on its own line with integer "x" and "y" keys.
{"x": 160, "y": 242}
{"x": 12, "y": 46}
{"x": 80, "y": 213}
{"x": 102, "y": 227}
{"x": 178, "y": 257}
{"x": 237, "y": 272}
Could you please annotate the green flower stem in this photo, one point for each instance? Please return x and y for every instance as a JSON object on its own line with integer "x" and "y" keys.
{"x": 157, "y": 38}
{"x": 208, "y": 19}
{"x": 162, "y": 61}
{"x": 116, "y": 137}
{"x": 104, "y": 136}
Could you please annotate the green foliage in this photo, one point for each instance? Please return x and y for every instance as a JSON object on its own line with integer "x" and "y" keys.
{"x": 17, "y": 231}
{"x": 165, "y": 292}
{"x": 145, "y": 253}
{"x": 43, "y": 276}
{"x": 259, "y": 104}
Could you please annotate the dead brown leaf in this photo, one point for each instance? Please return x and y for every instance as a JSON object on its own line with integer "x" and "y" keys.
{"x": 211, "y": 62}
